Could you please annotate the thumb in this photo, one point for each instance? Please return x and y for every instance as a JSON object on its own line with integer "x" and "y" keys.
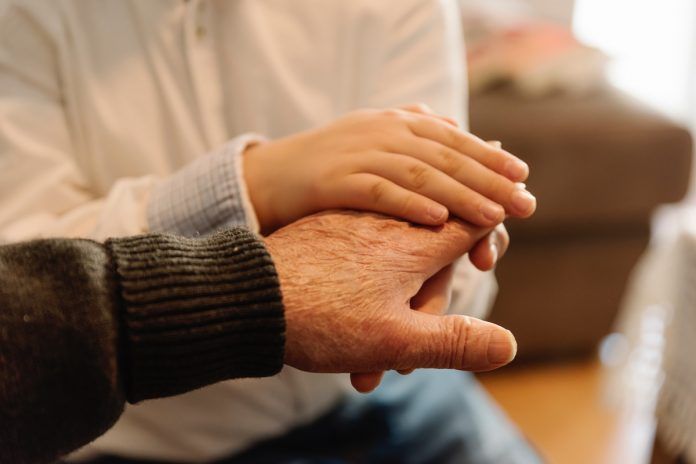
{"x": 456, "y": 342}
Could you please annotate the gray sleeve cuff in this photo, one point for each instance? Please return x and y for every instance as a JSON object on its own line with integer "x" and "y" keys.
{"x": 205, "y": 196}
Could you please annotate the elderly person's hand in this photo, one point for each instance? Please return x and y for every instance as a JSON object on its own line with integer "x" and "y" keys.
{"x": 434, "y": 296}
{"x": 348, "y": 280}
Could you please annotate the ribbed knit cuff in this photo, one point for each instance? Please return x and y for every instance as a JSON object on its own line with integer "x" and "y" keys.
{"x": 196, "y": 311}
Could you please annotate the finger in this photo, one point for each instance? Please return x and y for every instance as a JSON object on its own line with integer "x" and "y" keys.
{"x": 502, "y": 239}
{"x": 516, "y": 200}
{"x": 417, "y": 176}
{"x": 422, "y": 108}
{"x": 468, "y": 144}
{"x": 454, "y": 342}
{"x": 487, "y": 252}
{"x": 433, "y": 298}
{"x": 371, "y": 192}
{"x": 366, "y": 382}
{"x": 424, "y": 250}
{"x": 444, "y": 246}
{"x": 434, "y": 295}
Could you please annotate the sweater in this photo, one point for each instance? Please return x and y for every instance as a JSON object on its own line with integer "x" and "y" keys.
{"x": 85, "y": 327}
{"x": 104, "y": 103}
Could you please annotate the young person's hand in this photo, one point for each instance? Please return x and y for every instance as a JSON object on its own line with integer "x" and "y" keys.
{"x": 406, "y": 163}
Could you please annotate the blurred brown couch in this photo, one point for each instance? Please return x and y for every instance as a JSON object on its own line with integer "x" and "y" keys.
{"x": 600, "y": 165}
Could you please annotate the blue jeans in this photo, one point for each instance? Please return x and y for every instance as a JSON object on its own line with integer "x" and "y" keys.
{"x": 430, "y": 416}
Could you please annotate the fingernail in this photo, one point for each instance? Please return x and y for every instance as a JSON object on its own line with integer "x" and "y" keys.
{"x": 516, "y": 169}
{"x": 523, "y": 201}
{"x": 437, "y": 212}
{"x": 495, "y": 143}
{"x": 502, "y": 347}
{"x": 493, "y": 213}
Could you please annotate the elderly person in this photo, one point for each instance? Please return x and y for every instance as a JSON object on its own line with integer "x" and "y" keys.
{"x": 85, "y": 327}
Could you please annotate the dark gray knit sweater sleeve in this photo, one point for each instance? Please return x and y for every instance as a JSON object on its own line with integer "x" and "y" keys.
{"x": 59, "y": 381}
{"x": 84, "y": 327}
{"x": 197, "y": 311}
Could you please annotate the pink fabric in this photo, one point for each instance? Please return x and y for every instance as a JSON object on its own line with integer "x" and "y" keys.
{"x": 514, "y": 50}
{"x": 535, "y": 56}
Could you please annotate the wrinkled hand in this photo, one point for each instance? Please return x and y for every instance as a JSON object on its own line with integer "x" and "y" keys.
{"x": 407, "y": 163}
{"x": 348, "y": 280}
{"x": 435, "y": 294}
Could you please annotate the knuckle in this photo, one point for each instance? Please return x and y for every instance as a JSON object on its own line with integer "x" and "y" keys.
{"x": 451, "y": 161}
{"x": 377, "y": 191}
{"x": 407, "y": 205}
{"x": 418, "y": 176}
{"x": 391, "y": 113}
{"x": 455, "y": 342}
{"x": 395, "y": 118}
{"x": 450, "y": 137}
{"x": 421, "y": 107}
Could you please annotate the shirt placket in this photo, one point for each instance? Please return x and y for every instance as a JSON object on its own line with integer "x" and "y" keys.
{"x": 204, "y": 70}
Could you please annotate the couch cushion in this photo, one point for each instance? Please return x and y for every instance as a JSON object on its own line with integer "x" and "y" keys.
{"x": 597, "y": 162}
{"x": 560, "y": 297}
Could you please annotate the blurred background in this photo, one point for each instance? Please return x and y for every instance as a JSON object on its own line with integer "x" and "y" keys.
{"x": 600, "y": 99}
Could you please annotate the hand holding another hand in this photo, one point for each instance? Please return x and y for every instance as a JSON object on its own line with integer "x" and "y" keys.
{"x": 406, "y": 163}
{"x": 349, "y": 282}
{"x": 434, "y": 296}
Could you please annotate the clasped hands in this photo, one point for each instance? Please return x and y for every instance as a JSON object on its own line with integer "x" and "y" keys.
{"x": 365, "y": 292}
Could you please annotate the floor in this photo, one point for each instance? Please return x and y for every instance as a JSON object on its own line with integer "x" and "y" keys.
{"x": 562, "y": 409}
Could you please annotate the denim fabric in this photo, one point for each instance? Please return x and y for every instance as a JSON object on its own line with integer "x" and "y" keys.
{"x": 430, "y": 416}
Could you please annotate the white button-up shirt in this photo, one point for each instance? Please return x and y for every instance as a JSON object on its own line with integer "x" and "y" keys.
{"x": 102, "y": 103}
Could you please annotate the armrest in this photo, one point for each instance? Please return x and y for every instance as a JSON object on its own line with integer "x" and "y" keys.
{"x": 602, "y": 161}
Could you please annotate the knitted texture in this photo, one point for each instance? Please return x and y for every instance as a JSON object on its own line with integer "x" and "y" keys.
{"x": 84, "y": 327}
{"x": 196, "y": 311}
{"x": 59, "y": 380}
